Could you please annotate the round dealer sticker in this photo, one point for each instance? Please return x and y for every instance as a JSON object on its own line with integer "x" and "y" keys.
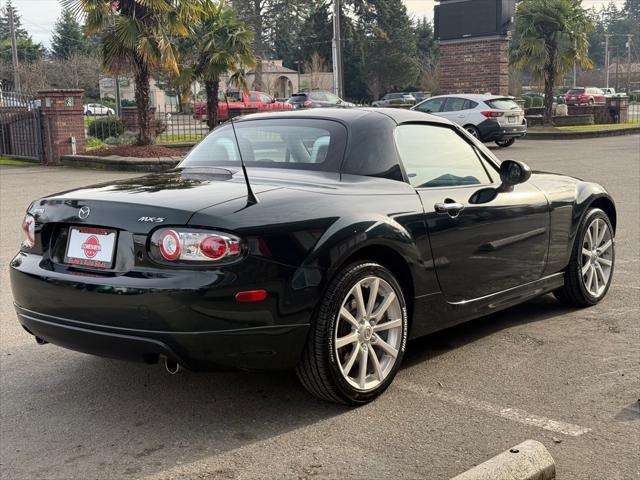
{"x": 91, "y": 246}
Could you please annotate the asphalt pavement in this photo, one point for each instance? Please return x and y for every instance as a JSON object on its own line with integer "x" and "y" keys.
{"x": 567, "y": 378}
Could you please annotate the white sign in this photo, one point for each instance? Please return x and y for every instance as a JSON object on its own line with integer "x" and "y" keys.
{"x": 91, "y": 247}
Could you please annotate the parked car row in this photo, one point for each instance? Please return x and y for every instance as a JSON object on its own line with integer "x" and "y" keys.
{"x": 400, "y": 98}
{"x": 318, "y": 99}
{"x": 252, "y": 99}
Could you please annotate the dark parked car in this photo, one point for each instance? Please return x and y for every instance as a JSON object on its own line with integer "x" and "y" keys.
{"x": 371, "y": 227}
{"x": 398, "y": 98}
{"x": 318, "y": 99}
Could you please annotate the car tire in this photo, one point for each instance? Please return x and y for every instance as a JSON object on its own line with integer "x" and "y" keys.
{"x": 89, "y": 113}
{"x": 473, "y": 131}
{"x": 591, "y": 102}
{"x": 505, "y": 142}
{"x": 339, "y": 340}
{"x": 588, "y": 276}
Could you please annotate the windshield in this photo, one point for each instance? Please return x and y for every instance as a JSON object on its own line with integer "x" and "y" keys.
{"x": 502, "y": 104}
{"x": 273, "y": 143}
{"x": 575, "y": 91}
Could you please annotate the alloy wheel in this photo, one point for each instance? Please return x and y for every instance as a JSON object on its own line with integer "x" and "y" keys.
{"x": 368, "y": 333}
{"x": 597, "y": 257}
{"x": 473, "y": 131}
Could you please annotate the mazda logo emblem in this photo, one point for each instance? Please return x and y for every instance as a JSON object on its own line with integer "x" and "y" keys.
{"x": 84, "y": 212}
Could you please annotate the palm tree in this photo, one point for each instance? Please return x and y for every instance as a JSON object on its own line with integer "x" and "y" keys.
{"x": 550, "y": 35}
{"x": 138, "y": 35}
{"x": 223, "y": 45}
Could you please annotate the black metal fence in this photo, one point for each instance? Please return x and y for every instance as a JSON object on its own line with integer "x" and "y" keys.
{"x": 21, "y": 133}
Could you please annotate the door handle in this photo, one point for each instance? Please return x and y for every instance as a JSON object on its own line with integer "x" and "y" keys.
{"x": 450, "y": 207}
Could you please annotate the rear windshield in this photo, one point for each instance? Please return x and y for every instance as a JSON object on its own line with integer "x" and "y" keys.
{"x": 576, "y": 90}
{"x": 502, "y": 104}
{"x": 298, "y": 98}
{"x": 299, "y": 143}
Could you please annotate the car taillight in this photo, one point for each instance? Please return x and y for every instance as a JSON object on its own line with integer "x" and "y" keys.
{"x": 29, "y": 230}
{"x": 194, "y": 245}
{"x": 492, "y": 114}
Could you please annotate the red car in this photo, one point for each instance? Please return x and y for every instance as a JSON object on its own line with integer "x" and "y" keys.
{"x": 584, "y": 96}
{"x": 259, "y": 100}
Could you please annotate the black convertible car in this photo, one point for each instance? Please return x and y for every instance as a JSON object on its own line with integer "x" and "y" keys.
{"x": 353, "y": 231}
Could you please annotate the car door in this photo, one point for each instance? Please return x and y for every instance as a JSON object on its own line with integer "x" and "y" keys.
{"x": 455, "y": 109}
{"x": 480, "y": 245}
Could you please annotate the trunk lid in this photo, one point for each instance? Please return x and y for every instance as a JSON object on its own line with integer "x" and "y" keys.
{"x": 140, "y": 204}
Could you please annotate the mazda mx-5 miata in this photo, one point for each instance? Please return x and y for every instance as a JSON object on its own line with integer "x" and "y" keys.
{"x": 349, "y": 232}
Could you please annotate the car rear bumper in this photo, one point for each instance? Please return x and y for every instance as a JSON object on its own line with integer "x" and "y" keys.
{"x": 490, "y": 131}
{"x": 262, "y": 348}
{"x": 189, "y": 317}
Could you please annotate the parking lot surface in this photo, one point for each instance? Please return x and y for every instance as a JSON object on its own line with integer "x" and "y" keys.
{"x": 568, "y": 378}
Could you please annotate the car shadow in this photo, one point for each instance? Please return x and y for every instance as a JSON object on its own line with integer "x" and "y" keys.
{"x": 536, "y": 310}
{"x": 138, "y": 420}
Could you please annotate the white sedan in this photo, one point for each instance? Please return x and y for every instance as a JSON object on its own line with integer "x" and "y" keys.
{"x": 97, "y": 109}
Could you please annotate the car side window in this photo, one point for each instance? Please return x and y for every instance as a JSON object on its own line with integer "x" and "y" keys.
{"x": 437, "y": 156}
{"x": 454, "y": 104}
{"x": 470, "y": 104}
{"x": 253, "y": 97}
{"x": 265, "y": 98}
{"x": 432, "y": 105}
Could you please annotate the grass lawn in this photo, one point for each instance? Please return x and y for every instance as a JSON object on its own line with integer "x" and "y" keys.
{"x": 592, "y": 128}
{"x": 179, "y": 137}
{"x": 13, "y": 161}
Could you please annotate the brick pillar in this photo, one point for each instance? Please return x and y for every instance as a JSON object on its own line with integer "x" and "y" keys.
{"x": 475, "y": 65}
{"x": 62, "y": 120}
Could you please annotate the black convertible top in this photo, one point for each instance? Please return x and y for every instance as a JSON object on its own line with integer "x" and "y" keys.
{"x": 352, "y": 115}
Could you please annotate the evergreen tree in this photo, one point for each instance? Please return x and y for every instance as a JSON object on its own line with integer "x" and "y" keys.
{"x": 27, "y": 50}
{"x": 632, "y": 9}
{"x": 67, "y": 37}
{"x": 5, "y": 28}
{"x": 391, "y": 53}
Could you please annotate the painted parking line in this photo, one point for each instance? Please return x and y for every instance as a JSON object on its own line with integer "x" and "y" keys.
{"x": 513, "y": 414}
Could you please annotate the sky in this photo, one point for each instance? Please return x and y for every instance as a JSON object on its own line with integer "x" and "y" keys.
{"x": 39, "y": 16}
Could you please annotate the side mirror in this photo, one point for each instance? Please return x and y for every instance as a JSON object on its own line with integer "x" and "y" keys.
{"x": 513, "y": 173}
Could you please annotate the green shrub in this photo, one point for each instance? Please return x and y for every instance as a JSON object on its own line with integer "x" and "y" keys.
{"x": 106, "y": 127}
{"x": 92, "y": 143}
{"x": 127, "y": 138}
{"x": 536, "y": 102}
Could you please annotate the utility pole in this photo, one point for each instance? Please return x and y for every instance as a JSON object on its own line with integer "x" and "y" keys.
{"x": 606, "y": 59}
{"x": 575, "y": 47}
{"x": 617, "y": 64}
{"x": 629, "y": 36}
{"x": 337, "y": 51}
{"x": 14, "y": 52}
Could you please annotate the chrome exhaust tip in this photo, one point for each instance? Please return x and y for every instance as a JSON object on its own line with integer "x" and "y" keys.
{"x": 171, "y": 366}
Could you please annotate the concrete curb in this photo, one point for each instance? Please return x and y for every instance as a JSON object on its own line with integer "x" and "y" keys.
{"x": 529, "y": 460}
{"x": 532, "y": 135}
{"x": 120, "y": 163}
